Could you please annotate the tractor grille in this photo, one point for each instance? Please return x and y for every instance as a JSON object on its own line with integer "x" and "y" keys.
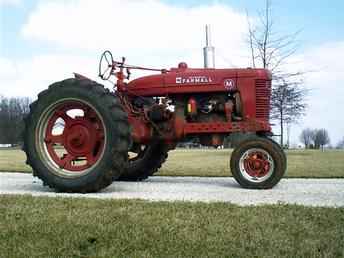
{"x": 263, "y": 93}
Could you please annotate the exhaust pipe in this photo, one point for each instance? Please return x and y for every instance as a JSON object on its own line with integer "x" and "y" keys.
{"x": 208, "y": 50}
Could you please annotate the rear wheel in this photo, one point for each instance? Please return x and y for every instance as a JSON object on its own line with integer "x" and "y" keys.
{"x": 144, "y": 161}
{"x": 258, "y": 163}
{"x": 76, "y": 136}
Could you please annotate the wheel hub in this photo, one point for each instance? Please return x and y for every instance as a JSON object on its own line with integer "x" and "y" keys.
{"x": 80, "y": 137}
{"x": 256, "y": 165}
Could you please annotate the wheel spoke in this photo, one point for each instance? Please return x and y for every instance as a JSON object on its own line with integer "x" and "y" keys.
{"x": 66, "y": 118}
{"x": 107, "y": 59}
{"x": 51, "y": 139}
{"x": 107, "y": 69}
{"x": 89, "y": 113}
{"x": 67, "y": 160}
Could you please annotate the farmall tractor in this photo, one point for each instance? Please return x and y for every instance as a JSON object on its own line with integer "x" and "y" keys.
{"x": 80, "y": 137}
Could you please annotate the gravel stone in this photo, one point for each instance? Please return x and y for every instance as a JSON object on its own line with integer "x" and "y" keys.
{"x": 309, "y": 192}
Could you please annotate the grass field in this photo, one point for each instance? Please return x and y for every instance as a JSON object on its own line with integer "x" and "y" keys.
{"x": 301, "y": 163}
{"x": 182, "y": 162}
{"x": 70, "y": 227}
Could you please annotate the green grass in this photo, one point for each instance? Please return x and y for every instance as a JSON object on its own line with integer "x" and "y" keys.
{"x": 301, "y": 163}
{"x": 13, "y": 160}
{"x": 315, "y": 163}
{"x": 210, "y": 162}
{"x": 70, "y": 227}
{"x": 183, "y": 162}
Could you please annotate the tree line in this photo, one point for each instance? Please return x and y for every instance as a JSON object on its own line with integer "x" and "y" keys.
{"x": 12, "y": 112}
{"x": 314, "y": 138}
{"x": 318, "y": 139}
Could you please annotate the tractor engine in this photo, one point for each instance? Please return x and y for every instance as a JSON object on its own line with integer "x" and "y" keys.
{"x": 210, "y": 109}
{"x": 204, "y": 103}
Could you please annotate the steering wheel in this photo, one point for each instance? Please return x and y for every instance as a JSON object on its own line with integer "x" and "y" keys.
{"x": 106, "y": 65}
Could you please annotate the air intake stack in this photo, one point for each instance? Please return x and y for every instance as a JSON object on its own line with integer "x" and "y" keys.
{"x": 208, "y": 50}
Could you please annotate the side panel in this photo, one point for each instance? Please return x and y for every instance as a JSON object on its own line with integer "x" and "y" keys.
{"x": 198, "y": 81}
{"x": 246, "y": 88}
{"x": 186, "y": 82}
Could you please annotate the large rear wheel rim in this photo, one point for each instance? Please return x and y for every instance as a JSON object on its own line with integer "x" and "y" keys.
{"x": 256, "y": 165}
{"x": 82, "y": 139}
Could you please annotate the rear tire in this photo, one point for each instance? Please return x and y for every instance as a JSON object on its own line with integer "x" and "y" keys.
{"x": 258, "y": 163}
{"x": 147, "y": 162}
{"x": 98, "y": 139}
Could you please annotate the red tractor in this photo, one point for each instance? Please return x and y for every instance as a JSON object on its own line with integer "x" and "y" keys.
{"x": 78, "y": 135}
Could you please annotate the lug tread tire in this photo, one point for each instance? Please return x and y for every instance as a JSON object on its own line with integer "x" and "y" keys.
{"x": 146, "y": 166}
{"x": 114, "y": 117}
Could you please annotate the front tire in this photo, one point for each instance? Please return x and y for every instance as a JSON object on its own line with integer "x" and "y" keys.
{"x": 258, "y": 163}
{"x": 76, "y": 136}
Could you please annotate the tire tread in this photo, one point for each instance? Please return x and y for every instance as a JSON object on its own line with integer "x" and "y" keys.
{"x": 102, "y": 94}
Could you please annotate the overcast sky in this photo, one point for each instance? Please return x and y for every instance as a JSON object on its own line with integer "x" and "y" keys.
{"x": 45, "y": 41}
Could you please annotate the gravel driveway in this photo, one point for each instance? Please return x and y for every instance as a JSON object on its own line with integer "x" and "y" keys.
{"x": 311, "y": 192}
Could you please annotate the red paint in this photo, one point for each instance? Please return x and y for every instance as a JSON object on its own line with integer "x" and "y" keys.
{"x": 82, "y": 137}
{"x": 141, "y": 131}
{"x": 257, "y": 164}
{"x": 218, "y": 127}
{"x": 184, "y": 86}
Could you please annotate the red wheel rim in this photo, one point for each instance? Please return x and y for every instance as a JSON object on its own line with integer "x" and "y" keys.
{"x": 80, "y": 142}
{"x": 256, "y": 165}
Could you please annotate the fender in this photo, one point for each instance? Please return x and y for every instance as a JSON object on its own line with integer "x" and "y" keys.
{"x": 81, "y": 77}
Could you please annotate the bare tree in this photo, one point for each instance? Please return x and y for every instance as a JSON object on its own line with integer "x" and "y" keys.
{"x": 270, "y": 50}
{"x": 320, "y": 138}
{"x": 306, "y": 137}
{"x": 12, "y": 112}
{"x": 314, "y": 139}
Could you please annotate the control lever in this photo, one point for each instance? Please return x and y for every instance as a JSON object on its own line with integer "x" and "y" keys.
{"x": 128, "y": 73}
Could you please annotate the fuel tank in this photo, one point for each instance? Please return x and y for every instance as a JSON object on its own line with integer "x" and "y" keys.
{"x": 184, "y": 80}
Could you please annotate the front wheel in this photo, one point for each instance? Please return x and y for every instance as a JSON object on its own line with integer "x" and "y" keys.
{"x": 257, "y": 163}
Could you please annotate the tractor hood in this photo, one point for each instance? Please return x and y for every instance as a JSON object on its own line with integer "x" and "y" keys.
{"x": 184, "y": 80}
